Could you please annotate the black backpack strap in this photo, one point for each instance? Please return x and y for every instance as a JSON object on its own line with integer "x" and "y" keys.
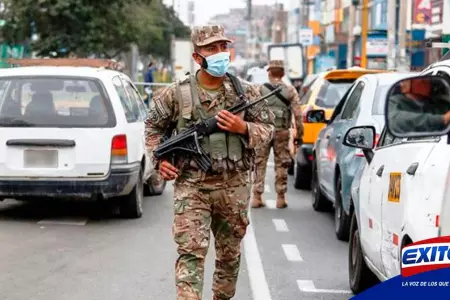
{"x": 278, "y": 94}
{"x": 235, "y": 82}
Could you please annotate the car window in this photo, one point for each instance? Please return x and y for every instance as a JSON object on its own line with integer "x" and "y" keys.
{"x": 131, "y": 114}
{"x": 338, "y": 109}
{"x": 305, "y": 97}
{"x": 136, "y": 100}
{"x": 388, "y": 139}
{"x": 52, "y": 101}
{"x": 353, "y": 102}
{"x": 380, "y": 99}
{"x": 331, "y": 93}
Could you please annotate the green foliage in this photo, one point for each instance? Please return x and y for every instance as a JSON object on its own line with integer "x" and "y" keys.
{"x": 157, "y": 24}
{"x": 87, "y": 27}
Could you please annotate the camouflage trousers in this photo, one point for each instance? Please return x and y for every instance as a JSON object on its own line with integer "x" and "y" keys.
{"x": 282, "y": 157}
{"x": 198, "y": 210}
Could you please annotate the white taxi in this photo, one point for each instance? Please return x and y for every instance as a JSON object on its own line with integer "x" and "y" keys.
{"x": 71, "y": 131}
{"x": 402, "y": 194}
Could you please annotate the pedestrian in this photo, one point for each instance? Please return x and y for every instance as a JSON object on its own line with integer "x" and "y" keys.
{"x": 149, "y": 74}
{"x": 216, "y": 200}
{"x": 282, "y": 105}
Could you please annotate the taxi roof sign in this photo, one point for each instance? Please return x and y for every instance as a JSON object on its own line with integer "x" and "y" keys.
{"x": 66, "y": 62}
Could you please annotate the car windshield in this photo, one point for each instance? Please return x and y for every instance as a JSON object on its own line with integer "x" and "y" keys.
{"x": 331, "y": 93}
{"x": 54, "y": 102}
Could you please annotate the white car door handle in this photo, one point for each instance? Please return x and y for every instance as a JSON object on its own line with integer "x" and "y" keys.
{"x": 412, "y": 168}
{"x": 380, "y": 171}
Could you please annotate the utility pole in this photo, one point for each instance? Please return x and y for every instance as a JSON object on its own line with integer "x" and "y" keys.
{"x": 364, "y": 29}
{"x": 351, "y": 38}
{"x": 391, "y": 20}
{"x": 249, "y": 29}
{"x": 403, "y": 62}
{"x": 299, "y": 19}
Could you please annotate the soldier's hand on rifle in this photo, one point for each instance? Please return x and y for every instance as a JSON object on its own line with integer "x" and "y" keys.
{"x": 167, "y": 171}
{"x": 232, "y": 123}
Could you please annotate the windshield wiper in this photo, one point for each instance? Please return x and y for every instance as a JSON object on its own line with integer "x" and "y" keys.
{"x": 12, "y": 122}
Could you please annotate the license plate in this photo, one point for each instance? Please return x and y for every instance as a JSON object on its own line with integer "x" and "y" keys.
{"x": 40, "y": 158}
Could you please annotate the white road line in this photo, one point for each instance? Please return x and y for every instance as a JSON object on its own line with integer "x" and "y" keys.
{"x": 258, "y": 282}
{"x": 271, "y": 204}
{"x": 64, "y": 221}
{"x": 308, "y": 286}
{"x": 280, "y": 225}
{"x": 291, "y": 252}
{"x": 267, "y": 188}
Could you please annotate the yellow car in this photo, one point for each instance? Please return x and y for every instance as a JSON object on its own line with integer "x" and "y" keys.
{"x": 325, "y": 93}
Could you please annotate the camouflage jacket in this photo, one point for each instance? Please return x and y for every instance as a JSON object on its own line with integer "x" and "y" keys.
{"x": 295, "y": 104}
{"x": 164, "y": 112}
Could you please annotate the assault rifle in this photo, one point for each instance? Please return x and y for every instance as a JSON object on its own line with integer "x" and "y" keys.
{"x": 188, "y": 140}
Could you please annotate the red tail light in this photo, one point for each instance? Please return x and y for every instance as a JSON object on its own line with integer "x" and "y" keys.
{"x": 359, "y": 152}
{"x": 119, "y": 149}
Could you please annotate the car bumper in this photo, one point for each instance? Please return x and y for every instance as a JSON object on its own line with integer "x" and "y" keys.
{"x": 120, "y": 181}
{"x": 304, "y": 155}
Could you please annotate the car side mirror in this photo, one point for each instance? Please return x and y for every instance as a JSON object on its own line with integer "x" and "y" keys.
{"x": 316, "y": 116}
{"x": 418, "y": 107}
{"x": 361, "y": 137}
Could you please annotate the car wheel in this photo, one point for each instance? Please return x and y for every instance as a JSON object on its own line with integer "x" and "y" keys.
{"x": 154, "y": 186}
{"x": 291, "y": 168}
{"x": 302, "y": 178}
{"x": 131, "y": 205}
{"x": 319, "y": 201}
{"x": 360, "y": 276}
{"x": 341, "y": 219}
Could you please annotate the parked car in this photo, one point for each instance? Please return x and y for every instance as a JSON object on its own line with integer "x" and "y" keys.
{"x": 73, "y": 132}
{"x": 334, "y": 164}
{"x": 325, "y": 93}
{"x": 401, "y": 194}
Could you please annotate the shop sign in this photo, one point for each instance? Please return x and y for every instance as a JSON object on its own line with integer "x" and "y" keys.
{"x": 376, "y": 47}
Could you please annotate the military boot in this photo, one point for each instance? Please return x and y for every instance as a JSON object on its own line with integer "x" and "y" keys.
{"x": 257, "y": 201}
{"x": 281, "y": 201}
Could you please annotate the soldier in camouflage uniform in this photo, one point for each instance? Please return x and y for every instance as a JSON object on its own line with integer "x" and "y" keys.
{"x": 217, "y": 200}
{"x": 282, "y": 105}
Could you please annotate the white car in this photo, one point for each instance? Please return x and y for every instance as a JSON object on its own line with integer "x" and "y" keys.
{"x": 73, "y": 132}
{"x": 401, "y": 195}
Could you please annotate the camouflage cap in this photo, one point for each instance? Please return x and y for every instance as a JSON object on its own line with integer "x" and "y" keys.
{"x": 276, "y": 64}
{"x": 205, "y": 35}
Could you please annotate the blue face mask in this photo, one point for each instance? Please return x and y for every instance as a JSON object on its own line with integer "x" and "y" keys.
{"x": 218, "y": 64}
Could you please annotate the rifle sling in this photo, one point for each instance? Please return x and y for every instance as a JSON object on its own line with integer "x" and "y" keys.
{"x": 236, "y": 85}
{"x": 278, "y": 95}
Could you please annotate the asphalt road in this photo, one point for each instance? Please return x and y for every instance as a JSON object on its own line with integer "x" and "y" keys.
{"x": 67, "y": 251}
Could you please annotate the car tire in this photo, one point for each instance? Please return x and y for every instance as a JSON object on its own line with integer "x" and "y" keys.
{"x": 341, "y": 219}
{"x": 302, "y": 178}
{"x": 360, "y": 276}
{"x": 131, "y": 205}
{"x": 152, "y": 188}
{"x": 291, "y": 168}
{"x": 319, "y": 201}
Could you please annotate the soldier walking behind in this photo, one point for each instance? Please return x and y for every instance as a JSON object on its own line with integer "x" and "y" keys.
{"x": 282, "y": 105}
{"x": 218, "y": 199}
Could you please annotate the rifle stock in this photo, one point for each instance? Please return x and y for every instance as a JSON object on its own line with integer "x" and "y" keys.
{"x": 188, "y": 140}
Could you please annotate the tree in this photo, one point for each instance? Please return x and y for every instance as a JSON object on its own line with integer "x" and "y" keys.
{"x": 80, "y": 27}
{"x": 157, "y": 23}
